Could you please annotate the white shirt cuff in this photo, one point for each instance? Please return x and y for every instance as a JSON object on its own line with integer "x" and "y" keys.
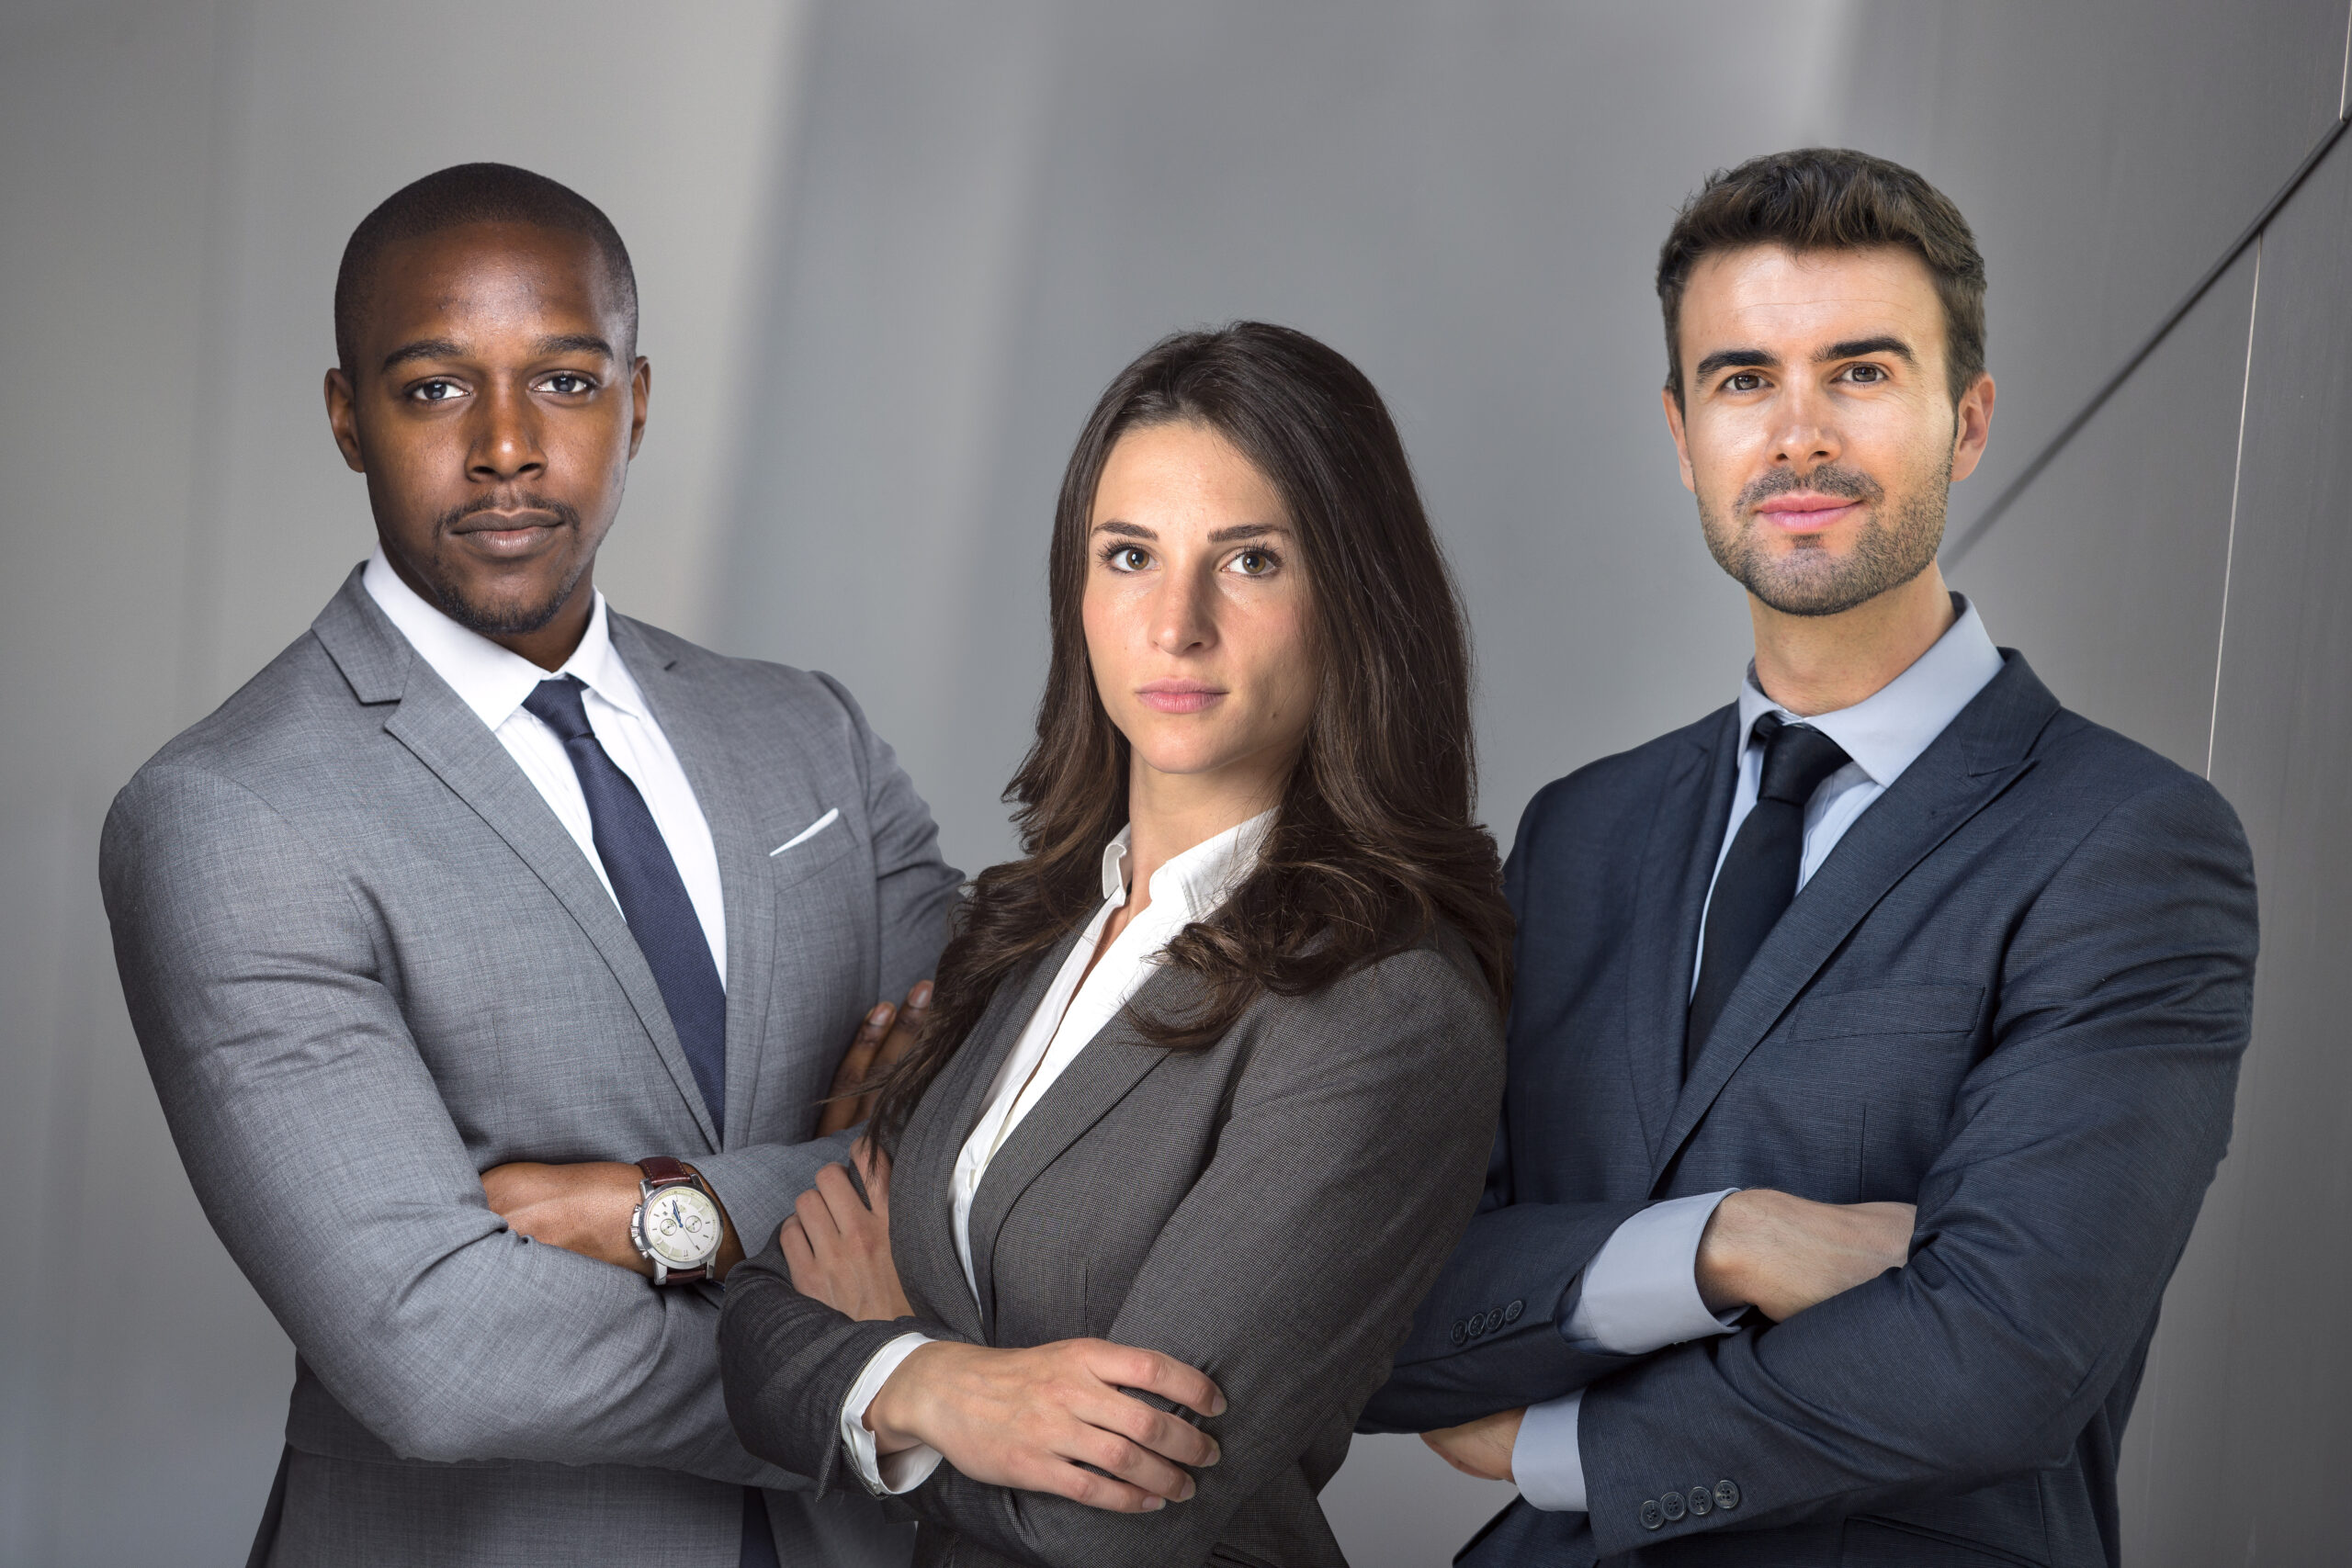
{"x": 1641, "y": 1291}
{"x": 891, "y": 1474}
{"x": 1544, "y": 1459}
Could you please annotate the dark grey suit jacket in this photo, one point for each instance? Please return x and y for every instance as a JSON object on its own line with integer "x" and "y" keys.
{"x": 1268, "y": 1209}
{"x": 2014, "y": 994}
{"x": 365, "y": 962}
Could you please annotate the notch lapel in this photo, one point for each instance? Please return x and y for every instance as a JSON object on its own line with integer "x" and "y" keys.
{"x": 1678, "y": 863}
{"x": 1115, "y": 1060}
{"x": 1979, "y": 755}
{"x": 699, "y": 732}
{"x": 451, "y": 740}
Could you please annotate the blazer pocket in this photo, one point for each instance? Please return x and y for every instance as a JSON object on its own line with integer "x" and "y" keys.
{"x": 815, "y": 848}
{"x": 1886, "y": 1009}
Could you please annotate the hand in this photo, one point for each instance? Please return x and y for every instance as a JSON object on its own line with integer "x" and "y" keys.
{"x": 1782, "y": 1254}
{"x": 886, "y": 1034}
{"x": 1031, "y": 1418}
{"x": 838, "y": 1249}
{"x": 1480, "y": 1448}
{"x": 584, "y": 1209}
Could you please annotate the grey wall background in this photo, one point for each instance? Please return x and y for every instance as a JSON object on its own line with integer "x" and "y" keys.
{"x": 889, "y": 251}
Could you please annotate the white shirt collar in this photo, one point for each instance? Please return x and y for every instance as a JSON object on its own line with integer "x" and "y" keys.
{"x": 1885, "y": 732}
{"x": 491, "y": 679}
{"x": 1197, "y": 881}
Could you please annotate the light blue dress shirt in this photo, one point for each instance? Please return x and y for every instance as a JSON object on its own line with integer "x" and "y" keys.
{"x": 1641, "y": 1291}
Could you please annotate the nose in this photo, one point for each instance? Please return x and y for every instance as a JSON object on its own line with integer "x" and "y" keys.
{"x": 506, "y": 443}
{"x": 1806, "y": 434}
{"x": 1183, "y": 618}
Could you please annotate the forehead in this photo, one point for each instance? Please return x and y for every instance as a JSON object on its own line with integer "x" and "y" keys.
{"x": 1760, "y": 295}
{"x": 1181, "y": 468}
{"x": 480, "y": 281}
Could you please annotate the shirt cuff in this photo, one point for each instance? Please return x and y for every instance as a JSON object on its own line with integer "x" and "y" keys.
{"x": 1641, "y": 1291}
{"x": 888, "y": 1475}
{"x": 1544, "y": 1459}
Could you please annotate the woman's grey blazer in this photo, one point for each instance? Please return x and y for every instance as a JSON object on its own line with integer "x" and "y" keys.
{"x": 1269, "y": 1208}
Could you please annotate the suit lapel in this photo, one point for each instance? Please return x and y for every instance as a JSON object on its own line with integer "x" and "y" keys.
{"x": 922, "y": 1233}
{"x": 1115, "y": 1060}
{"x": 699, "y": 737}
{"x": 1678, "y": 863}
{"x": 1978, "y": 756}
{"x": 448, "y": 739}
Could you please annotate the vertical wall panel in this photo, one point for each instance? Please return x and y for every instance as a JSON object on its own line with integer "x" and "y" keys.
{"x": 2250, "y": 1442}
{"x": 2105, "y": 152}
{"x": 2107, "y": 574}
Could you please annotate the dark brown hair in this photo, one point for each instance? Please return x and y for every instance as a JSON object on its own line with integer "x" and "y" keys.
{"x": 465, "y": 194}
{"x": 1373, "y": 844}
{"x": 1826, "y": 199}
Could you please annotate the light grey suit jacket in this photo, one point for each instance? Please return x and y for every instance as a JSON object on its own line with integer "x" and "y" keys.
{"x": 365, "y": 962}
{"x": 1268, "y": 1209}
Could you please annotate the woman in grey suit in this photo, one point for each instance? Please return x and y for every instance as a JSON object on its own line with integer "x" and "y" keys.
{"x": 1209, "y": 1081}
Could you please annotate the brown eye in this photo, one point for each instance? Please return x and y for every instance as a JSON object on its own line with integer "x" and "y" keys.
{"x": 1127, "y": 558}
{"x": 1254, "y": 563}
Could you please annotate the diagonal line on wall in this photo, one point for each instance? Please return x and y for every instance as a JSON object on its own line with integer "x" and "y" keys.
{"x": 2099, "y": 399}
{"x": 2230, "y": 545}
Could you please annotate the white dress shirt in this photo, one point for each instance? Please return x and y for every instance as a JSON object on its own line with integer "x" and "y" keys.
{"x": 1188, "y": 888}
{"x": 493, "y": 681}
{"x": 1641, "y": 1291}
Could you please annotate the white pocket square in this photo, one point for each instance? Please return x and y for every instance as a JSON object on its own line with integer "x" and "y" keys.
{"x": 810, "y": 831}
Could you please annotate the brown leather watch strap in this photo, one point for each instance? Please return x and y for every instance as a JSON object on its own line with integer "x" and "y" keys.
{"x": 664, "y": 1171}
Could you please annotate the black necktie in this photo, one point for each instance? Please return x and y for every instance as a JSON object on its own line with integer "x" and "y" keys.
{"x": 1759, "y": 877}
{"x": 652, "y": 894}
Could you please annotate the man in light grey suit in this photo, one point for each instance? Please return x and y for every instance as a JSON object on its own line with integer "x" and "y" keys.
{"x": 477, "y": 896}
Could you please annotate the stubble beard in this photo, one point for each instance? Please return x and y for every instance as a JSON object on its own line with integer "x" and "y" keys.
{"x": 509, "y": 619}
{"x": 1895, "y": 543}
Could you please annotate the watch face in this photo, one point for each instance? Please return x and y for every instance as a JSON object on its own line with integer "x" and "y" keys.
{"x": 681, "y": 1227}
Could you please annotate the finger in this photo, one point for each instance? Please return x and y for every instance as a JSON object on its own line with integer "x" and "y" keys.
{"x": 799, "y": 1258}
{"x": 908, "y": 1029}
{"x": 1170, "y": 1437}
{"x": 874, "y": 1168}
{"x": 1104, "y": 1491}
{"x": 1153, "y": 1372}
{"x": 1137, "y": 1466}
{"x": 816, "y": 1215}
{"x": 857, "y": 1062}
{"x": 840, "y": 1197}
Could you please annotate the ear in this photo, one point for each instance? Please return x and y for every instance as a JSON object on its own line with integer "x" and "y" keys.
{"x": 640, "y": 391}
{"x": 342, "y": 419}
{"x": 1972, "y": 426}
{"x": 1681, "y": 437}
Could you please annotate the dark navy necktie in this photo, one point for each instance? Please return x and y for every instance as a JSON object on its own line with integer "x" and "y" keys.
{"x": 1758, "y": 879}
{"x": 652, "y": 894}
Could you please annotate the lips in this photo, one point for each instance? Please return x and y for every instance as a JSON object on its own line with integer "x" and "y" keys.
{"x": 506, "y": 535}
{"x": 1177, "y": 696}
{"x": 1805, "y": 512}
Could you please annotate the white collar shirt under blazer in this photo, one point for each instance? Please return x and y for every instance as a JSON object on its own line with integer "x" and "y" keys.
{"x": 493, "y": 681}
{"x": 1189, "y": 887}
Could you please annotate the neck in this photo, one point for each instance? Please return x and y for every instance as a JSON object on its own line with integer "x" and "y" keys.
{"x": 1170, "y": 813}
{"x": 1815, "y": 664}
{"x": 547, "y": 646}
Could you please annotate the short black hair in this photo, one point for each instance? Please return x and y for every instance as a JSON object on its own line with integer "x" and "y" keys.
{"x": 472, "y": 193}
{"x": 1829, "y": 198}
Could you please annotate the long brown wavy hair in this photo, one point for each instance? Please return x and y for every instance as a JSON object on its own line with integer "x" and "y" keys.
{"x": 1373, "y": 845}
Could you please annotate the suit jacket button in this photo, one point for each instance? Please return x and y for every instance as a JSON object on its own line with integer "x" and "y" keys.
{"x": 1727, "y": 1495}
{"x": 1701, "y": 1503}
{"x": 1510, "y": 1313}
{"x": 1494, "y": 1320}
{"x": 1461, "y": 1331}
{"x": 1651, "y": 1518}
{"x": 1671, "y": 1505}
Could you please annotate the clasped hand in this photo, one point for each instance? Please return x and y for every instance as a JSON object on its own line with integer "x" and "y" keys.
{"x": 1028, "y": 1418}
{"x": 1772, "y": 1251}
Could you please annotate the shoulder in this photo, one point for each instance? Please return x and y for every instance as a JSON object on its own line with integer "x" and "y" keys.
{"x": 1424, "y": 1009}
{"x": 808, "y": 698}
{"x": 275, "y": 731}
{"x": 1597, "y": 796}
{"x": 2098, "y": 782}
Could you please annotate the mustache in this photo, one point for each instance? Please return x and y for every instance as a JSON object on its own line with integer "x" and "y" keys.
{"x": 563, "y": 511}
{"x": 1829, "y": 480}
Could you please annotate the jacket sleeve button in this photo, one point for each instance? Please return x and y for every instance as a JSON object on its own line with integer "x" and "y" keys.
{"x": 1462, "y": 1333}
{"x": 1651, "y": 1518}
{"x": 1510, "y": 1313}
{"x": 1727, "y": 1495}
{"x": 1494, "y": 1320}
{"x": 1701, "y": 1504}
{"x": 1671, "y": 1505}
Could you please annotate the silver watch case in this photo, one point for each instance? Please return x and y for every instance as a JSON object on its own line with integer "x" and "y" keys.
{"x": 663, "y": 1249}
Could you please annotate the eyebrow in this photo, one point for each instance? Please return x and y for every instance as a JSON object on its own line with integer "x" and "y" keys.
{"x": 1221, "y": 537}
{"x": 546, "y": 347}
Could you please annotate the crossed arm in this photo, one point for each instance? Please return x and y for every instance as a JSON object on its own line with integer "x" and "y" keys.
{"x": 2045, "y": 1229}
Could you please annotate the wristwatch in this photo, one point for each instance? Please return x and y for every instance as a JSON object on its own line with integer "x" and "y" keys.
{"x": 677, "y": 1225}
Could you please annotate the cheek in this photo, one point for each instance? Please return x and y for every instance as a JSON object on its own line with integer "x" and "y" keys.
{"x": 1291, "y": 669}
